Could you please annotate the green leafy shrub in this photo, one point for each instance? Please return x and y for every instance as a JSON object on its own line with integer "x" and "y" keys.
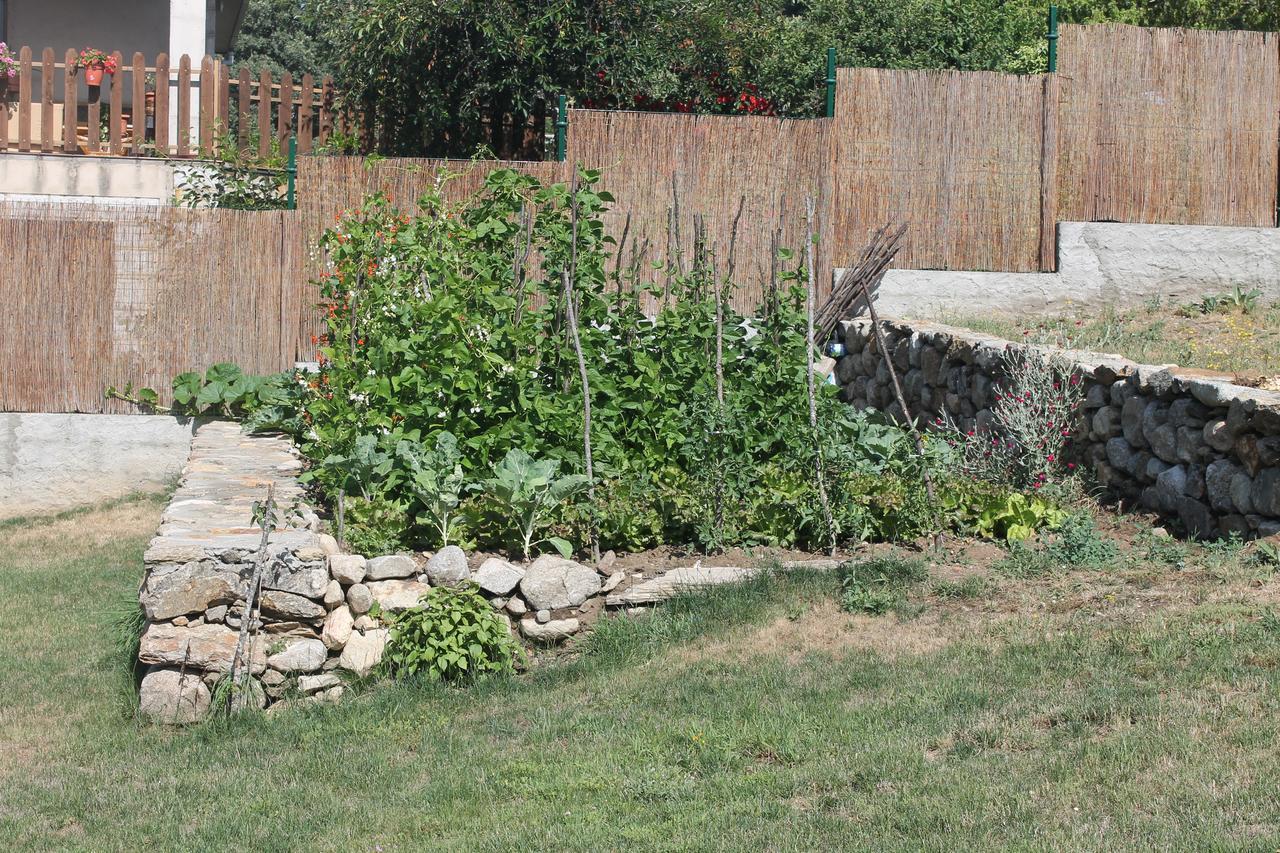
{"x": 1078, "y": 543}
{"x": 375, "y": 525}
{"x": 437, "y": 481}
{"x": 878, "y": 585}
{"x": 453, "y": 635}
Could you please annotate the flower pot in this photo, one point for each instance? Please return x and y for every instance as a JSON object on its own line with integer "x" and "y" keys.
{"x": 93, "y": 74}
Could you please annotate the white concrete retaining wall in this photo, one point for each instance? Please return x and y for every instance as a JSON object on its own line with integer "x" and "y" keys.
{"x": 1100, "y": 263}
{"x": 53, "y": 462}
{"x": 54, "y": 177}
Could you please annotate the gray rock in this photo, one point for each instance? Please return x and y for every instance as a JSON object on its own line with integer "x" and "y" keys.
{"x": 328, "y": 545}
{"x": 337, "y": 628}
{"x": 287, "y": 605}
{"x": 172, "y": 697}
{"x": 1154, "y": 380}
{"x": 1266, "y": 492}
{"x": 611, "y": 583}
{"x": 1120, "y": 455}
{"x": 390, "y": 567}
{"x": 1131, "y": 421}
{"x": 1217, "y": 435}
{"x": 289, "y": 574}
{"x": 216, "y": 614}
{"x": 1217, "y": 479}
{"x": 1173, "y": 482}
{"x": 1155, "y": 467}
{"x": 365, "y": 623}
{"x": 1096, "y": 397}
{"x": 1190, "y": 443}
{"x": 397, "y": 595}
{"x": 1242, "y": 492}
{"x": 1212, "y": 393}
{"x": 448, "y": 567}
{"x": 1121, "y": 390}
{"x": 1269, "y": 450}
{"x": 333, "y": 595}
{"x": 359, "y": 599}
{"x": 931, "y": 365}
{"x": 516, "y": 606}
{"x": 364, "y": 651}
{"x": 187, "y": 589}
{"x": 553, "y": 582}
{"x": 1186, "y": 412}
{"x": 299, "y": 655}
{"x": 308, "y": 684}
{"x": 347, "y": 568}
{"x": 543, "y": 616}
{"x": 1106, "y": 421}
{"x": 1196, "y": 517}
{"x": 201, "y": 647}
{"x": 498, "y": 576}
{"x": 549, "y": 632}
{"x": 1164, "y": 442}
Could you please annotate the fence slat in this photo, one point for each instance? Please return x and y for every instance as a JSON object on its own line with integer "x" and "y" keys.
{"x": 46, "y": 100}
{"x": 284, "y": 111}
{"x": 184, "y": 106}
{"x": 224, "y": 100}
{"x": 117, "y": 106}
{"x": 208, "y": 100}
{"x": 70, "y": 99}
{"x": 326, "y": 108}
{"x": 138, "y": 112}
{"x": 162, "y": 104}
{"x": 306, "y": 117}
{"x": 264, "y": 113}
{"x": 93, "y": 130}
{"x": 6, "y": 92}
{"x": 24, "y": 99}
{"x": 244, "y": 95}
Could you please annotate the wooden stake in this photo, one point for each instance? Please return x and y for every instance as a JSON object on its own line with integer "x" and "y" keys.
{"x": 810, "y": 304}
{"x": 571, "y": 314}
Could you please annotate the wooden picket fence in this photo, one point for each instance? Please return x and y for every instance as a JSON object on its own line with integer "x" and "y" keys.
{"x": 200, "y": 108}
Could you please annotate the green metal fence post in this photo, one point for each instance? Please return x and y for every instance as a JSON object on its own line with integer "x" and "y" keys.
{"x": 291, "y": 174}
{"x": 1052, "y": 35}
{"x": 831, "y": 82}
{"x": 562, "y": 127}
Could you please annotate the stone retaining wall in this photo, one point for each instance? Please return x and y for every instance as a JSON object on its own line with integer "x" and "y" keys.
{"x": 1187, "y": 444}
{"x": 317, "y": 629}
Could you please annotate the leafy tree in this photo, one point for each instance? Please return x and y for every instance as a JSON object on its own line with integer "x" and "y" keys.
{"x": 280, "y": 35}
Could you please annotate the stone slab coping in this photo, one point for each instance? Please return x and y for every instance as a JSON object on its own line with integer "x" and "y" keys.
{"x": 1211, "y": 388}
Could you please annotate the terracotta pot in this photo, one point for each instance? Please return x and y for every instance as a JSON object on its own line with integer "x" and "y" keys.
{"x": 93, "y": 74}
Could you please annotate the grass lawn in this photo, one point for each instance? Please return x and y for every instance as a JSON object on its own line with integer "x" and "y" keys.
{"x": 1135, "y": 706}
{"x": 1226, "y": 338}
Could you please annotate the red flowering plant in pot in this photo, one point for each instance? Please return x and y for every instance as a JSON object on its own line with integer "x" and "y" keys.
{"x": 96, "y": 63}
{"x": 8, "y": 68}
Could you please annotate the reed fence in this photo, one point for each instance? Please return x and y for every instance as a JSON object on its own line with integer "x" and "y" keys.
{"x": 183, "y": 109}
{"x": 105, "y": 298}
{"x": 1168, "y": 125}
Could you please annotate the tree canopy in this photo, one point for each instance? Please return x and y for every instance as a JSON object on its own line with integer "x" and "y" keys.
{"x": 450, "y": 76}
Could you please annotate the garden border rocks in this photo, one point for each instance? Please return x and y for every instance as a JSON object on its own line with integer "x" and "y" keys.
{"x": 316, "y": 629}
{"x": 1187, "y": 444}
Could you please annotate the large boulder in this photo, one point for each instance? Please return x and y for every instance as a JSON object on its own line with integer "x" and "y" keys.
{"x": 397, "y": 595}
{"x": 289, "y": 606}
{"x": 448, "y": 567}
{"x": 300, "y": 654}
{"x": 498, "y": 577}
{"x": 553, "y": 582}
{"x": 363, "y": 651}
{"x": 192, "y": 588}
{"x": 390, "y": 567}
{"x": 173, "y": 697}
{"x": 347, "y": 568}
{"x": 208, "y": 647}
{"x": 337, "y": 628}
{"x": 552, "y": 631}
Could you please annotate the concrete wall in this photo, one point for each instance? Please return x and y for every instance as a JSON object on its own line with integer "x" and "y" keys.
{"x": 49, "y": 463}
{"x": 51, "y": 177}
{"x": 1100, "y": 263}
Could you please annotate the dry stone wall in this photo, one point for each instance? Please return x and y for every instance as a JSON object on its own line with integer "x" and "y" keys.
{"x": 1187, "y": 444}
{"x": 316, "y": 628}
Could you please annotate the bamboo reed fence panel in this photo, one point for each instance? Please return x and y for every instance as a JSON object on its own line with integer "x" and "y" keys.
{"x": 103, "y": 295}
{"x": 753, "y": 171}
{"x": 955, "y": 155}
{"x": 1168, "y": 125}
